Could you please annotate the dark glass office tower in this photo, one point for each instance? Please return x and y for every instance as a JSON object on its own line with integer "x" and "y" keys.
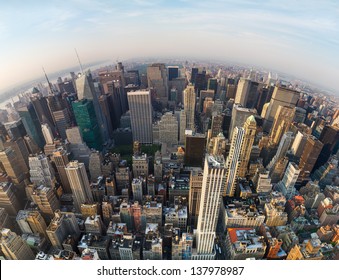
{"x": 86, "y": 119}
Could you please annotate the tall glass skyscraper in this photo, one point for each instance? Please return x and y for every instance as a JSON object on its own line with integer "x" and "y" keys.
{"x": 86, "y": 119}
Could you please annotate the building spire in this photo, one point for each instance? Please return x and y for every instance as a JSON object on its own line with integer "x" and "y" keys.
{"x": 49, "y": 84}
{"x": 82, "y": 70}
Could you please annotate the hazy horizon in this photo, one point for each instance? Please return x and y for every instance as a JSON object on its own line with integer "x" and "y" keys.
{"x": 300, "y": 39}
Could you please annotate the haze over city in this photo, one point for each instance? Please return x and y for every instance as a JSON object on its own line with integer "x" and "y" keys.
{"x": 300, "y": 38}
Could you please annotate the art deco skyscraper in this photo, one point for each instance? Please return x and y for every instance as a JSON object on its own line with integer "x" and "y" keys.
{"x": 13, "y": 247}
{"x": 189, "y": 106}
{"x": 213, "y": 183}
{"x": 140, "y": 106}
{"x": 233, "y": 160}
{"x": 250, "y": 128}
{"x": 76, "y": 174}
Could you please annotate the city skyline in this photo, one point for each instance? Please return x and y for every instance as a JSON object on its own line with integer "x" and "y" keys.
{"x": 297, "y": 38}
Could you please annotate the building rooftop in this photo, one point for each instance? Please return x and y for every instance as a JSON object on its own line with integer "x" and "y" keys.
{"x": 246, "y": 239}
{"x": 151, "y": 228}
{"x": 215, "y": 161}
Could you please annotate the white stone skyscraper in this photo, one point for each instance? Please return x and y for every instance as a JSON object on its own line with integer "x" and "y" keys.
{"x": 140, "y": 107}
{"x": 77, "y": 176}
{"x": 189, "y": 106}
{"x": 213, "y": 183}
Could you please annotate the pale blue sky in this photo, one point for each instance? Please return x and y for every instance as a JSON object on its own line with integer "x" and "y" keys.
{"x": 297, "y": 37}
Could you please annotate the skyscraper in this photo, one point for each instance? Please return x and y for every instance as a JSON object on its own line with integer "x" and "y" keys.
{"x": 10, "y": 162}
{"x": 196, "y": 178}
{"x": 217, "y": 123}
{"x": 330, "y": 138}
{"x": 45, "y": 198}
{"x": 60, "y": 159}
{"x": 233, "y": 160}
{"x": 141, "y": 116}
{"x": 60, "y": 114}
{"x": 41, "y": 171}
{"x": 76, "y": 174}
{"x": 80, "y": 151}
{"x": 86, "y": 90}
{"x": 213, "y": 184}
{"x": 8, "y": 198}
{"x": 286, "y": 186}
{"x": 299, "y": 144}
{"x": 242, "y": 91}
{"x": 189, "y": 107}
{"x": 47, "y": 133}
{"x": 239, "y": 117}
{"x": 182, "y": 127}
{"x": 84, "y": 112}
{"x": 281, "y": 96}
{"x": 42, "y": 110}
{"x": 195, "y": 149}
{"x": 250, "y": 128}
{"x": 173, "y": 72}
{"x": 104, "y": 103}
{"x": 137, "y": 189}
{"x": 62, "y": 225}
{"x": 31, "y": 123}
{"x": 13, "y": 247}
{"x": 283, "y": 147}
{"x": 157, "y": 79}
{"x": 31, "y": 221}
{"x": 309, "y": 156}
{"x": 281, "y": 123}
{"x": 168, "y": 129}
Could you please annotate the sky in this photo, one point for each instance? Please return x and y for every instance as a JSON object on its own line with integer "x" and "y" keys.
{"x": 296, "y": 37}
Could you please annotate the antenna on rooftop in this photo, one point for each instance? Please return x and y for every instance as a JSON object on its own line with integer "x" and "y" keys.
{"x": 49, "y": 84}
{"x": 82, "y": 70}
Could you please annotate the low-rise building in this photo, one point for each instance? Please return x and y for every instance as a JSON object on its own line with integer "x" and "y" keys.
{"x": 243, "y": 243}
